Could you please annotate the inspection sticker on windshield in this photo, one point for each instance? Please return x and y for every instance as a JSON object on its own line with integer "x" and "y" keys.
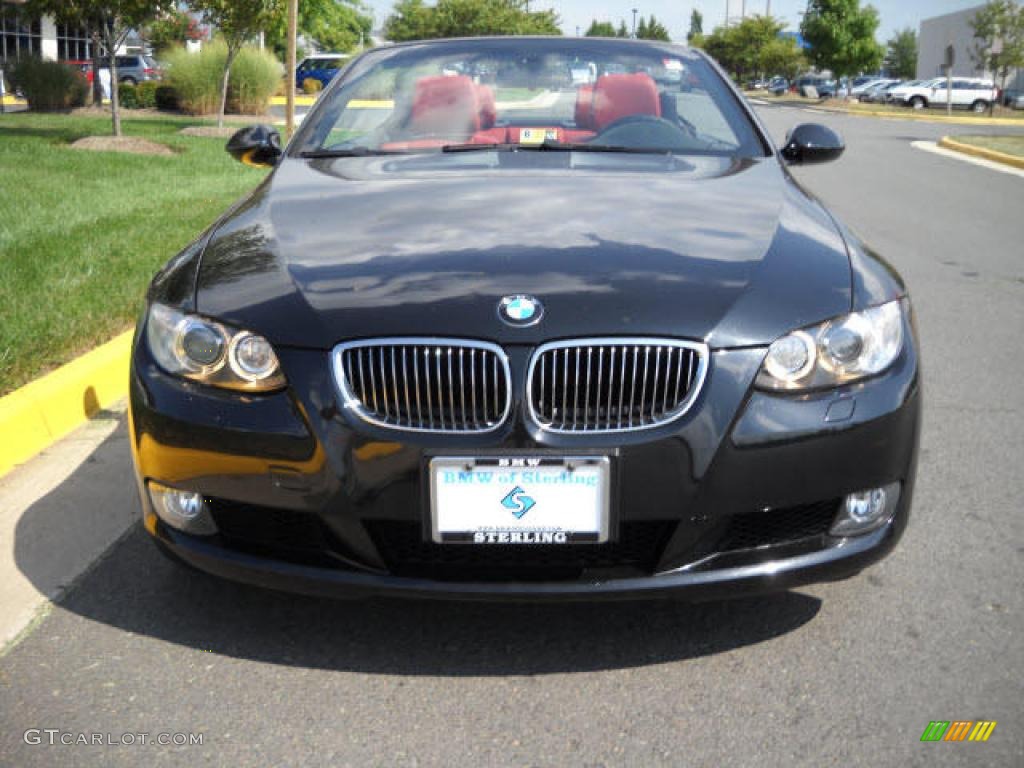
{"x": 672, "y": 65}
{"x": 537, "y": 135}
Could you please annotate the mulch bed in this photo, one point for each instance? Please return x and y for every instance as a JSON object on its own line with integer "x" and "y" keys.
{"x": 131, "y": 144}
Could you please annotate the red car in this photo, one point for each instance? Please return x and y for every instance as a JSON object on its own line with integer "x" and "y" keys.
{"x": 83, "y": 66}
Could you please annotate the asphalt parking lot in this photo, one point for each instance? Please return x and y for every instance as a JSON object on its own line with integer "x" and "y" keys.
{"x": 847, "y": 673}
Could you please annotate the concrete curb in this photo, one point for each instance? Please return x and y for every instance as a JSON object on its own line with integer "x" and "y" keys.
{"x": 986, "y": 154}
{"x": 40, "y": 413}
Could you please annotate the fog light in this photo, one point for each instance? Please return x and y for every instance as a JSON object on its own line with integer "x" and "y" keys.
{"x": 185, "y": 510}
{"x": 865, "y": 511}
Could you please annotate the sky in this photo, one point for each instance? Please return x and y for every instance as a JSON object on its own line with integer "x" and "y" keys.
{"x": 895, "y": 14}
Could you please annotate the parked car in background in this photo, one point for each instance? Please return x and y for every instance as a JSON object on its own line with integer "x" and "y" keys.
{"x": 322, "y": 67}
{"x": 824, "y": 87}
{"x": 136, "y": 68}
{"x": 778, "y": 85}
{"x": 966, "y": 93}
{"x": 857, "y": 90}
{"x": 1014, "y": 98}
{"x": 879, "y": 93}
{"x": 83, "y": 66}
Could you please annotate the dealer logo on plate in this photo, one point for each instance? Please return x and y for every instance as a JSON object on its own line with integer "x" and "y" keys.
{"x": 518, "y": 502}
{"x": 520, "y": 310}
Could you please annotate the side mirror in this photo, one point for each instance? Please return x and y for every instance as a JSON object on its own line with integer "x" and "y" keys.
{"x": 812, "y": 143}
{"x": 258, "y": 145}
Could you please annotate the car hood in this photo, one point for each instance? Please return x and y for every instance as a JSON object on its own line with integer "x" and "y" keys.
{"x": 732, "y": 252}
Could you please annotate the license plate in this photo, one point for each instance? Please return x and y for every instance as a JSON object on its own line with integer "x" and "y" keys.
{"x": 519, "y": 500}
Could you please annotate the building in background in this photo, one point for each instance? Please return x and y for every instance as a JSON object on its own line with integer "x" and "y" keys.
{"x": 22, "y": 34}
{"x": 938, "y": 32}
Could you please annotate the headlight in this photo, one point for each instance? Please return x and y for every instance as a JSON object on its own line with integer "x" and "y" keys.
{"x": 848, "y": 348}
{"x": 210, "y": 352}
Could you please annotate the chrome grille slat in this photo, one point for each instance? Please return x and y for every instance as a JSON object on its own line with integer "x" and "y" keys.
{"x": 614, "y": 384}
{"x": 420, "y": 385}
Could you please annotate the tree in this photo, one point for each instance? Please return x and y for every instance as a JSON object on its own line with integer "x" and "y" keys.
{"x": 998, "y": 39}
{"x": 784, "y": 57}
{"x": 237, "y": 21}
{"x": 172, "y": 28}
{"x": 622, "y": 31}
{"x": 842, "y": 36}
{"x": 601, "y": 29}
{"x": 413, "y": 20}
{"x": 109, "y": 22}
{"x": 901, "y": 59}
{"x": 641, "y": 29}
{"x": 652, "y": 29}
{"x": 739, "y": 48}
{"x": 696, "y": 26}
{"x": 335, "y": 25}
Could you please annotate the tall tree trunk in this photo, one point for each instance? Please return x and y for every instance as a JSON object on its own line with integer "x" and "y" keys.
{"x": 232, "y": 52}
{"x": 115, "y": 102}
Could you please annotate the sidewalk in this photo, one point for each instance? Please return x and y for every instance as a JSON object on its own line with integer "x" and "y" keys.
{"x": 59, "y": 512}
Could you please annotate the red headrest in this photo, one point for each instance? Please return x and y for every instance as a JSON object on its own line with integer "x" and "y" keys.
{"x": 488, "y": 107}
{"x": 618, "y": 96}
{"x": 585, "y": 106}
{"x": 445, "y": 105}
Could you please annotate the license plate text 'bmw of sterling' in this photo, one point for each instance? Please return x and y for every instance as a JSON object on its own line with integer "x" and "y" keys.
{"x": 515, "y": 500}
{"x": 597, "y": 343}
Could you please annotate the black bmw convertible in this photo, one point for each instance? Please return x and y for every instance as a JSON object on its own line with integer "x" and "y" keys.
{"x": 527, "y": 318}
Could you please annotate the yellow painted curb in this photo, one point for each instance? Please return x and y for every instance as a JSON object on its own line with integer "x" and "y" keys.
{"x": 308, "y": 101}
{"x": 986, "y": 154}
{"x": 927, "y": 116}
{"x": 300, "y": 101}
{"x": 932, "y": 118}
{"x": 45, "y": 410}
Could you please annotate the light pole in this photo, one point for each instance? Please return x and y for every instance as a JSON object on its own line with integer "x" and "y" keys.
{"x": 634, "y": 23}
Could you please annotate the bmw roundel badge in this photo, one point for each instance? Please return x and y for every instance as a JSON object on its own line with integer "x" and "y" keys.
{"x": 520, "y": 310}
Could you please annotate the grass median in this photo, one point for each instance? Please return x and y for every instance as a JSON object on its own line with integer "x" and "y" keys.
{"x": 1008, "y": 145}
{"x": 82, "y": 233}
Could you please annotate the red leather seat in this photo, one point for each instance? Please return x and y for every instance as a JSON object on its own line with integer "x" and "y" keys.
{"x": 488, "y": 106}
{"x": 448, "y": 106}
{"x": 585, "y": 107}
{"x": 618, "y": 96}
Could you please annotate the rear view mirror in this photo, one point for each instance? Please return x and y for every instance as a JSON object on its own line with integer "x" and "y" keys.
{"x": 812, "y": 143}
{"x": 258, "y": 145}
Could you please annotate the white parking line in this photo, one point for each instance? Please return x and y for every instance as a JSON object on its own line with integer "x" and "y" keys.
{"x": 931, "y": 146}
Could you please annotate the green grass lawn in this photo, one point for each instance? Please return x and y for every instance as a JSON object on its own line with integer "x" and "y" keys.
{"x": 82, "y": 233}
{"x": 1011, "y": 145}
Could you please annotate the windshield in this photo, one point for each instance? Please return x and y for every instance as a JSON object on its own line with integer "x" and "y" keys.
{"x": 529, "y": 93}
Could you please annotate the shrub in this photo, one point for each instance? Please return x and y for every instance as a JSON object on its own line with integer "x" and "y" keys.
{"x": 166, "y": 98}
{"x": 311, "y": 85}
{"x": 127, "y": 95}
{"x": 254, "y": 78}
{"x": 145, "y": 94}
{"x": 196, "y": 78}
{"x": 49, "y": 85}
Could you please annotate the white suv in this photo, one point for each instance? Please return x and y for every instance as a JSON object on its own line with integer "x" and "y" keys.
{"x": 971, "y": 93}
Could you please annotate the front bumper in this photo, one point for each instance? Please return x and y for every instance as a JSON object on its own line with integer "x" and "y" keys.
{"x": 736, "y": 497}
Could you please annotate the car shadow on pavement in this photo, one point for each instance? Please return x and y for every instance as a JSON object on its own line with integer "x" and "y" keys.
{"x": 136, "y": 589}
